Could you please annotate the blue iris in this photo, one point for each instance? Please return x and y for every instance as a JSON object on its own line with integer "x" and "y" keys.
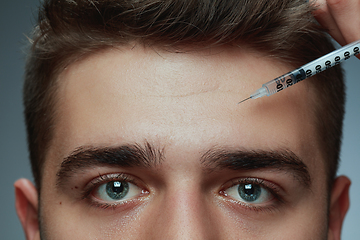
{"x": 117, "y": 190}
{"x": 249, "y": 192}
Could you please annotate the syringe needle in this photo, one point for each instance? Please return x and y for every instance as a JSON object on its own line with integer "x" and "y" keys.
{"x": 244, "y": 100}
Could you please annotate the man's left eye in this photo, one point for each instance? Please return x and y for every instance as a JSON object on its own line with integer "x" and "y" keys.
{"x": 249, "y": 193}
{"x": 116, "y": 191}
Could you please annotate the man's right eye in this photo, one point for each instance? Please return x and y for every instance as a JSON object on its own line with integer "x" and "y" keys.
{"x": 116, "y": 191}
{"x": 112, "y": 189}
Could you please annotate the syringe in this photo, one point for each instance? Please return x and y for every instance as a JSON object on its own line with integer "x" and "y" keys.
{"x": 310, "y": 69}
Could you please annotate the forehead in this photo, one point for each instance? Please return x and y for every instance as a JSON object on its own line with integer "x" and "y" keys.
{"x": 181, "y": 100}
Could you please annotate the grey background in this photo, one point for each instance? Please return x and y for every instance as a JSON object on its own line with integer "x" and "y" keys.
{"x": 16, "y": 19}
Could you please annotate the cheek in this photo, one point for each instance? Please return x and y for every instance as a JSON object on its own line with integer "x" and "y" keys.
{"x": 78, "y": 221}
{"x": 305, "y": 222}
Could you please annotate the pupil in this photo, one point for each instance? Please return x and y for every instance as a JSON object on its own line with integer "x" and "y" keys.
{"x": 117, "y": 187}
{"x": 117, "y": 190}
{"x": 248, "y": 189}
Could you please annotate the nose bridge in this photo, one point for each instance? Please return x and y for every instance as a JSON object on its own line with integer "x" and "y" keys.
{"x": 185, "y": 213}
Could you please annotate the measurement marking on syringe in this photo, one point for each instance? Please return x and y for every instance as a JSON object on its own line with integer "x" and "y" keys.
{"x": 310, "y": 69}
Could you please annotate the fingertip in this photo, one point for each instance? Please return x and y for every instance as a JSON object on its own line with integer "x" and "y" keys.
{"x": 317, "y": 4}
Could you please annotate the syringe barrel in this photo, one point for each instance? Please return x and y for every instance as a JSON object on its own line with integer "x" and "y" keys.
{"x": 312, "y": 68}
{"x": 332, "y": 59}
{"x": 307, "y": 70}
{"x": 284, "y": 81}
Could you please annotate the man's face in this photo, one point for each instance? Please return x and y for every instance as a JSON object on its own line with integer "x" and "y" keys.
{"x": 151, "y": 144}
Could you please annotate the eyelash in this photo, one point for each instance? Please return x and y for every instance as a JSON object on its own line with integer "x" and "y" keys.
{"x": 103, "y": 179}
{"x": 274, "y": 190}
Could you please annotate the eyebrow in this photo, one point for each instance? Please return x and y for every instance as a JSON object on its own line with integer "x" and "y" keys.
{"x": 127, "y": 156}
{"x": 280, "y": 160}
{"x": 215, "y": 159}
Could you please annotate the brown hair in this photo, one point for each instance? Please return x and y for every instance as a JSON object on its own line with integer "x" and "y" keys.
{"x": 70, "y": 29}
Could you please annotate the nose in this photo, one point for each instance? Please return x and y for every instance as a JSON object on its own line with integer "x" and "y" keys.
{"x": 185, "y": 213}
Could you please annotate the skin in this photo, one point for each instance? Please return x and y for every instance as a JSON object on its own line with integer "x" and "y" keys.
{"x": 182, "y": 200}
{"x": 184, "y": 104}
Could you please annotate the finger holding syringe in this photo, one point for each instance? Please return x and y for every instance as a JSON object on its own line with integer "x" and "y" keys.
{"x": 340, "y": 18}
